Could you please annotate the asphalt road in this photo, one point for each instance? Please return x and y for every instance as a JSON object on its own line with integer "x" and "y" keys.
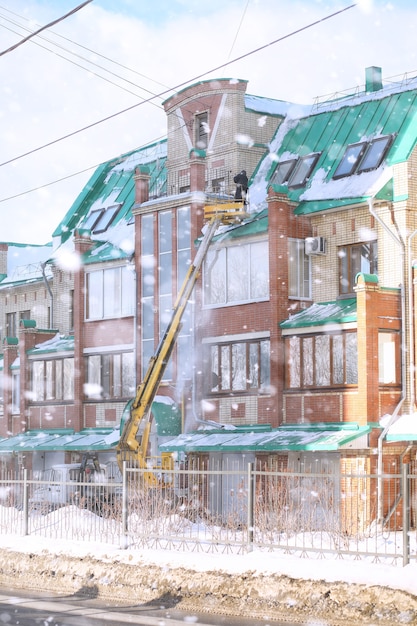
{"x": 45, "y": 609}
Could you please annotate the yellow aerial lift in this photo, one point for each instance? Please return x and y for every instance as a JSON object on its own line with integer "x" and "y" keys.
{"x": 134, "y": 439}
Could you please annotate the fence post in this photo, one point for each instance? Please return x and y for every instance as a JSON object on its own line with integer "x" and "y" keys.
{"x": 251, "y": 482}
{"x": 125, "y": 500}
{"x": 25, "y": 502}
{"x": 406, "y": 514}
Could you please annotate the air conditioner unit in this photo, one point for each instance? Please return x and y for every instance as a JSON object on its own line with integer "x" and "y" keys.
{"x": 315, "y": 245}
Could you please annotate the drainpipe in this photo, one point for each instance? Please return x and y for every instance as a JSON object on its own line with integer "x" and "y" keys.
{"x": 45, "y": 280}
{"x": 394, "y": 416}
{"x": 412, "y": 373}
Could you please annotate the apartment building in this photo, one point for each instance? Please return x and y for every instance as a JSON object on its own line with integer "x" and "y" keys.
{"x": 300, "y": 336}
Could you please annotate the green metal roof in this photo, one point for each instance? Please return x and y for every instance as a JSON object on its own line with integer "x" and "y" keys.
{"x": 104, "y": 251}
{"x": 314, "y": 206}
{"x": 113, "y": 183}
{"x": 314, "y": 437}
{"x": 320, "y": 313}
{"x": 89, "y": 439}
{"x": 329, "y": 131}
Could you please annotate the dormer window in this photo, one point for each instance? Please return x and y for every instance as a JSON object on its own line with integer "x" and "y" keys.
{"x": 100, "y": 219}
{"x": 363, "y": 156}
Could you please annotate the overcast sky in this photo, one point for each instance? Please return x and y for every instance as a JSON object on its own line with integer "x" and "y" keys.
{"x": 111, "y": 55}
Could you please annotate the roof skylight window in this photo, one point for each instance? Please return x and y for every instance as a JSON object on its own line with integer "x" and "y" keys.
{"x": 350, "y": 160}
{"x": 303, "y": 169}
{"x": 92, "y": 219}
{"x": 363, "y": 156}
{"x": 100, "y": 219}
{"x": 374, "y": 154}
{"x": 106, "y": 219}
{"x": 283, "y": 172}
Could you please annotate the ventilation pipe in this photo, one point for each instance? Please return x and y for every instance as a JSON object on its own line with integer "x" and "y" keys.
{"x": 373, "y": 79}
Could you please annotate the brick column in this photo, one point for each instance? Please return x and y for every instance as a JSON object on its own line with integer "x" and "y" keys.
{"x": 82, "y": 243}
{"x": 141, "y": 178}
{"x": 367, "y": 297}
{"x": 10, "y": 353}
{"x": 197, "y": 188}
{"x": 29, "y": 336}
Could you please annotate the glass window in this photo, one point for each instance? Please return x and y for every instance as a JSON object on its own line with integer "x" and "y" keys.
{"x": 11, "y": 324}
{"x": 303, "y": 170}
{"x": 105, "y": 219}
{"x": 363, "y": 156}
{"x": 350, "y": 160}
{"x": 299, "y": 270}
{"x": 147, "y": 289}
{"x": 361, "y": 257}
{"x": 92, "y": 219}
{"x": 100, "y": 219}
{"x": 236, "y": 274}
{"x": 388, "y": 346}
{"x": 15, "y": 392}
{"x": 321, "y": 360}
{"x": 110, "y": 293}
{"x": 52, "y": 379}
{"x": 238, "y": 366}
{"x": 201, "y": 130}
{"x": 110, "y": 375}
{"x": 374, "y": 154}
{"x": 282, "y": 172}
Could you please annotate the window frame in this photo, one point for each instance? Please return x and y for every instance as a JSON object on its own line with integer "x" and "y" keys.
{"x": 388, "y": 141}
{"x": 305, "y": 348}
{"x": 96, "y": 309}
{"x": 349, "y": 274}
{"x": 219, "y": 259}
{"x": 110, "y": 371}
{"x": 201, "y": 132}
{"x": 364, "y": 149}
{"x": 300, "y": 270}
{"x": 287, "y": 166}
{"x": 313, "y": 157}
{"x": 52, "y": 380}
{"x": 222, "y": 357}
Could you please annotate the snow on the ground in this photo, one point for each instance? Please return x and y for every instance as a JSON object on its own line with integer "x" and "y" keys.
{"x": 329, "y": 569}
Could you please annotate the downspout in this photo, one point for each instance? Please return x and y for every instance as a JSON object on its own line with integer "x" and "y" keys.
{"x": 45, "y": 280}
{"x": 412, "y": 373}
{"x": 394, "y": 415}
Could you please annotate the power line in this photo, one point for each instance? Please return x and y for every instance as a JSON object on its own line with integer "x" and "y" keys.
{"x": 78, "y": 56}
{"x": 107, "y": 80}
{"x": 176, "y": 87}
{"x": 36, "y": 32}
{"x": 150, "y": 99}
{"x": 102, "y": 56}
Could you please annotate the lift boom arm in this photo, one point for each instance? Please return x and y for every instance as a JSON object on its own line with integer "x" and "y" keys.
{"x": 131, "y": 448}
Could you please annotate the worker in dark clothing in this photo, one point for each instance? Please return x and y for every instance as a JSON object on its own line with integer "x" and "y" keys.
{"x": 241, "y": 181}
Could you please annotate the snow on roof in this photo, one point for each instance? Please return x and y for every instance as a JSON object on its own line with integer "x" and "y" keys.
{"x": 24, "y": 262}
{"x": 403, "y": 429}
{"x": 270, "y": 106}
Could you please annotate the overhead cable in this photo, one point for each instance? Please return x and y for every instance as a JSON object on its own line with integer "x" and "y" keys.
{"x": 36, "y": 32}
{"x": 176, "y": 87}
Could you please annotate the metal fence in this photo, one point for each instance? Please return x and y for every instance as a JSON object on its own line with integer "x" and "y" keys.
{"x": 309, "y": 514}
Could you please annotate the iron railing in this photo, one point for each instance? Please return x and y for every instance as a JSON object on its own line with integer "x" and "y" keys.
{"x": 236, "y": 510}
